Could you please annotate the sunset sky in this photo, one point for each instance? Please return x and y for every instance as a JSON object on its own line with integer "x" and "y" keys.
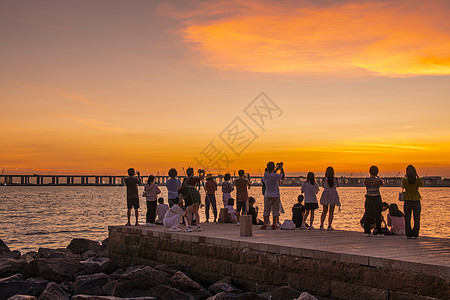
{"x": 101, "y": 86}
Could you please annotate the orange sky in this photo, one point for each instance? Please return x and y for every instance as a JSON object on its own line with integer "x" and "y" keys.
{"x": 97, "y": 87}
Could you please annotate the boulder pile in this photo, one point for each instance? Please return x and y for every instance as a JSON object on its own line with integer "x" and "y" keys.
{"x": 82, "y": 271}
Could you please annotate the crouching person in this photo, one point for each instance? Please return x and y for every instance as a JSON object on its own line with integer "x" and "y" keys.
{"x": 173, "y": 216}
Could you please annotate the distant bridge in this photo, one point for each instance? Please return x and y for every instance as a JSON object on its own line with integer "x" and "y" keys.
{"x": 110, "y": 180}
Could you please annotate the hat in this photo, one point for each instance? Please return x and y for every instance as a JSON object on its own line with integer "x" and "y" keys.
{"x": 209, "y": 177}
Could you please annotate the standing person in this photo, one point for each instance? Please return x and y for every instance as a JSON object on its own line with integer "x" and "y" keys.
{"x": 310, "y": 188}
{"x": 161, "y": 210}
{"x": 396, "y": 220}
{"x": 151, "y": 191}
{"x": 132, "y": 183}
{"x": 298, "y": 211}
{"x": 173, "y": 216}
{"x": 191, "y": 196}
{"x": 242, "y": 184}
{"x": 272, "y": 193}
{"x": 210, "y": 198}
{"x": 411, "y": 184}
{"x": 373, "y": 204}
{"x": 227, "y": 188}
{"x": 173, "y": 185}
{"x": 329, "y": 197}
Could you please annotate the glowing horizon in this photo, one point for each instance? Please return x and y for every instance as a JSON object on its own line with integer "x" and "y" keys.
{"x": 101, "y": 87}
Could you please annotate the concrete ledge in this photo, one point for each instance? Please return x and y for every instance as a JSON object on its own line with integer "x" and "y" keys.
{"x": 339, "y": 264}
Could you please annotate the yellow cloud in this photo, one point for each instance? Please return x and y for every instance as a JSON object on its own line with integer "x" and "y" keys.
{"x": 389, "y": 38}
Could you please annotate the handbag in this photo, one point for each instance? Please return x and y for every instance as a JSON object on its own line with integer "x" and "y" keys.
{"x": 401, "y": 196}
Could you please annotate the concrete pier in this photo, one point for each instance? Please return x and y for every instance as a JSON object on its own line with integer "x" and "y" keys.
{"x": 340, "y": 264}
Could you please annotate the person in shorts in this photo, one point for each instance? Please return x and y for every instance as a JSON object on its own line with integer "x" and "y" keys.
{"x": 242, "y": 184}
{"x": 310, "y": 188}
{"x": 191, "y": 197}
{"x": 132, "y": 182}
{"x": 272, "y": 193}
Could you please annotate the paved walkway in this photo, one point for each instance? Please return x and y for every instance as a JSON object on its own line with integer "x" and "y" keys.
{"x": 427, "y": 255}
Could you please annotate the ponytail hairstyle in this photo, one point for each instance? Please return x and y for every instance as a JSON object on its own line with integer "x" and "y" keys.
{"x": 329, "y": 174}
{"x": 411, "y": 174}
{"x": 394, "y": 211}
{"x": 311, "y": 178}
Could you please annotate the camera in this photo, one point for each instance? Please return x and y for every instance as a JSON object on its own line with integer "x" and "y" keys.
{"x": 200, "y": 171}
{"x": 279, "y": 165}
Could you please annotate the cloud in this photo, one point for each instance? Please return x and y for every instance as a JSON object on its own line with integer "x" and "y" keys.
{"x": 94, "y": 124}
{"x": 82, "y": 100}
{"x": 350, "y": 38}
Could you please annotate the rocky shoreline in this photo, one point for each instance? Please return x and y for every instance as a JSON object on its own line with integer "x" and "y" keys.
{"x": 83, "y": 271}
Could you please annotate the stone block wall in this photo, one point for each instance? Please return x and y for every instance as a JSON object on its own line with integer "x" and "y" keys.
{"x": 321, "y": 274}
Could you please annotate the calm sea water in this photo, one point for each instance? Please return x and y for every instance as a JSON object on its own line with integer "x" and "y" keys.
{"x": 33, "y": 217}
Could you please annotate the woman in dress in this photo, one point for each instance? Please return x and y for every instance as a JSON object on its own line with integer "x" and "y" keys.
{"x": 329, "y": 198}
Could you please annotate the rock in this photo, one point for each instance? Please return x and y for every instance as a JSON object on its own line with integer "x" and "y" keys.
{"x": 88, "y": 254}
{"x": 95, "y": 260}
{"x": 22, "y": 297}
{"x": 56, "y": 253}
{"x": 182, "y": 282}
{"x": 116, "y": 275}
{"x": 166, "y": 269}
{"x": 9, "y": 289}
{"x": 32, "y": 286}
{"x": 28, "y": 258}
{"x": 250, "y": 296}
{"x": 164, "y": 292}
{"x": 54, "y": 291}
{"x": 79, "y": 246}
{"x": 109, "y": 289}
{"x": 85, "y": 283}
{"x": 224, "y": 287}
{"x": 33, "y": 254}
{"x": 90, "y": 297}
{"x": 139, "y": 278}
{"x": 285, "y": 293}
{"x": 265, "y": 295}
{"x": 12, "y": 254}
{"x": 306, "y": 296}
{"x": 111, "y": 266}
{"x": 9, "y": 266}
{"x": 13, "y": 278}
{"x": 38, "y": 285}
{"x": 219, "y": 296}
{"x": 102, "y": 251}
{"x": 58, "y": 269}
{"x": 3, "y": 247}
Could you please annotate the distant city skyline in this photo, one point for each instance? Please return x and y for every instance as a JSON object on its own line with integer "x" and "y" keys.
{"x": 108, "y": 85}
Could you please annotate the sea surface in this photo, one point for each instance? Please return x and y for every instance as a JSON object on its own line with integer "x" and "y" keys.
{"x": 51, "y": 216}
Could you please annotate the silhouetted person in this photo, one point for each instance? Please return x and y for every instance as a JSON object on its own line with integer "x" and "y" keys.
{"x": 132, "y": 183}
{"x": 411, "y": 184}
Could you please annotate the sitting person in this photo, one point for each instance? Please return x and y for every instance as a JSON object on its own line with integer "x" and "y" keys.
{"x": 231, "y": 211}
{"x": 298, "y": 210}
{"x": 253, "y": 211}
{"x": 384, "y": 230}
{"x": 396, "y": 220}
{"x": 161, "y": 210}
{"x": 173, "y": 216}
